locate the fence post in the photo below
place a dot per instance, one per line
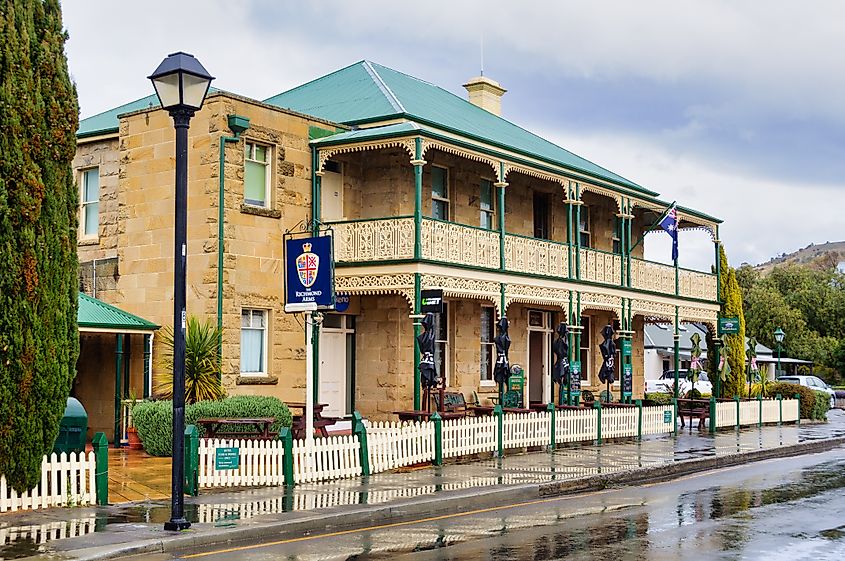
(712, 414)
(736, 399)
(798, 397)
(760, 409)
(438, 438)
(287, 455)
(500, 429)
(553, 440)
(675, 416)
(639, 404)
(780, 409)
(360, 430)
(192, 460)
(597, 407)
(101, 473)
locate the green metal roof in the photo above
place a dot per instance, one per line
(97, 314)
(368, 92)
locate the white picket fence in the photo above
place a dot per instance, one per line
(575, 425)
(469, 435)
(260, 463)
(725, 414)
(771, 411)
(790, 410)
(619, 422)
(393, 445)
(658, 419)
(749, 413)
(66, 480)
(322, 459)
(521, 430)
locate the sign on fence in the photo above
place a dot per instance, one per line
(667, 417)
(227, 458)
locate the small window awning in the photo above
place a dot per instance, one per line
(95, 316)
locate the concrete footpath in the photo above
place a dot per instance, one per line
(275, 513)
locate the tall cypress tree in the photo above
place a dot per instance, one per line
(39, 342)
(731, 296)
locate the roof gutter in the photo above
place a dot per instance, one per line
(237, 125)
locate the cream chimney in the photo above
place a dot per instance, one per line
(485, 93)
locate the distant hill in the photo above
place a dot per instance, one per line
(822, 256)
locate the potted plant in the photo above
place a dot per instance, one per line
(131, 432)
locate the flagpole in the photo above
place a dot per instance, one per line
(650, 228)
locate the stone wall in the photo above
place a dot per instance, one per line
(104, 155)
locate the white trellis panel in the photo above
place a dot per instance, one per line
(66, 480)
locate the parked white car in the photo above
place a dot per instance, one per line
(666, 383)
(813, 383)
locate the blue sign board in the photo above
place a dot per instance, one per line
(341, 302)
(309, 272)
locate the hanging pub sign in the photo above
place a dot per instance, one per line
(575, 378)
(728, 326)
(309, 274)
(431, 301)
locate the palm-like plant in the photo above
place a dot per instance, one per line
(202, 363)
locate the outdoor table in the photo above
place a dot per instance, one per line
(261, 426)
(320, 423)
(481, 410)
(516, 410)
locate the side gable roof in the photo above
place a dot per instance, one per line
(367, 92)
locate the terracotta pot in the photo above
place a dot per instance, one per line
(134, 439)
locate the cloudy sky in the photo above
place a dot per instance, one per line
(731, 107)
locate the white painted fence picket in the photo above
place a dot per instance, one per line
(619, 422)
(260, 463)
(725, 414)
(392, 445)
(654, 419)
(522, 430)
(576, 425)
(333, 457)
(66, 480)
(469, 435)
(790, 410)
(771, 411)
(749, 413)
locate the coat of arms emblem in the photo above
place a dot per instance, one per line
(307, 266)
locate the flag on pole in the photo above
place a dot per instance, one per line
(670, 223)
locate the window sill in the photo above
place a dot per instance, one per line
(257, 380)
(260, 211)
(88, 241)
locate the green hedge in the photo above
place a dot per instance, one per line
(658, 398)
(810, 408)
(154, 419)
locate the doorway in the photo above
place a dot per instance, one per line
(337, 364)
(539, 351)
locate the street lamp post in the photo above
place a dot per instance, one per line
(779, 335)
(181, 83)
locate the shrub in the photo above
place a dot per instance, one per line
(787, 390)
(693, 394)
(154, 419)
(658, 398)
(821, 406)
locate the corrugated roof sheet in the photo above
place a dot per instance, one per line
(366, 91)
(97, 314)
(107, 121)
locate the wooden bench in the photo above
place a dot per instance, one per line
(693, 409)
(298, 428)
(261, 427)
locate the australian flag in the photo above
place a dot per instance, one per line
(670, 224)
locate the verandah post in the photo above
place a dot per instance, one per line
(287, 456)
(712, 414)
(500, 429)
(101, 467)
(192, 460)
(639, 404)
(360, 431)
(438, 438)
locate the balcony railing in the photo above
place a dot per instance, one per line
(539, 257)
(462, 245)
(599, 266)
(392, 239)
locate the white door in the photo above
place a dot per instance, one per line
(331, 195)
(538, 373)
(334, 365)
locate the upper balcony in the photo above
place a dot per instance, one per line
(382, 240)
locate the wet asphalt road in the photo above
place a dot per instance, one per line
(785, 509)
